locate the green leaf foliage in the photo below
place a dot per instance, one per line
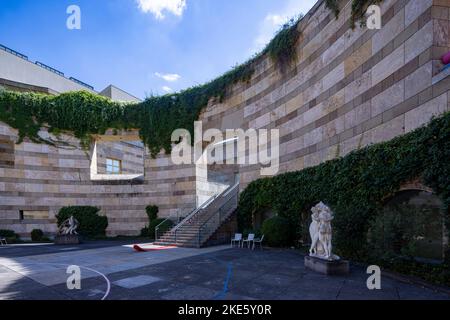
(359, 8)
(84, 114)
(278, 231)
(356, 186)
(91, 223)
(152, 212)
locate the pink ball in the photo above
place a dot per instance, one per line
(446, 58)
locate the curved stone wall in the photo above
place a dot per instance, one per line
(349, 88)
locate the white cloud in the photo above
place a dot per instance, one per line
(159, 7)
(169, 77)
(167, 89)
(273, 21)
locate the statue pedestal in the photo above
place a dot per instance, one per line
(66, 239)
(328, 267)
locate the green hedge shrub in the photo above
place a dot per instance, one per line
(91, 223)
(356, 186)
(9, 235)
(37, 235)
(277, 231)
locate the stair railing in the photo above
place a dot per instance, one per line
(191, 216)
(175, 218)
(231, 197)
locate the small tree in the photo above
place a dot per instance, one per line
(152, 212)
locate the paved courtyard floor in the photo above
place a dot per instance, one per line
(112, 270)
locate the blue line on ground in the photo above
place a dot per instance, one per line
(224, 291)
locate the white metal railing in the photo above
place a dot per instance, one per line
(226, 202)
(230, 203)
(175, 218)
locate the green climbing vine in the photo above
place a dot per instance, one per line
(85, 114)
(359, 8)
(283, 48)
(356, 187)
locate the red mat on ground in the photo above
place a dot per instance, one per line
(139, 248)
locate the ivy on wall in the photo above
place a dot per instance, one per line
(359, 8)
(85, 114)
(356, 187)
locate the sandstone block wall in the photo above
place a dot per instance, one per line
(42, 179)
(131, 156)
(348, 88)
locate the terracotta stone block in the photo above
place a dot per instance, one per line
(294, 103)
(361, 55)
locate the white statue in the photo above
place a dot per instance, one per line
(321, 232)
(69, 226)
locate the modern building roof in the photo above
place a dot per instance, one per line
(18, 72)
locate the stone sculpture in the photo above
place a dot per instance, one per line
(321, 233)
(69, 226)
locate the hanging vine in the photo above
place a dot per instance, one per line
(85, 114)
(359, 8)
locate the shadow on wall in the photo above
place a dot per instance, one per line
(410, 225)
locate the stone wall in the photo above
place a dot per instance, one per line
(42, 179)
(348, 88)
(131, 156)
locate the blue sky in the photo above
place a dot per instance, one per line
(144, 46)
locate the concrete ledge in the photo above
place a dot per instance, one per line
(336, 267)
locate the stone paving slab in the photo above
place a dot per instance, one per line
(192, 274)
(136, 282)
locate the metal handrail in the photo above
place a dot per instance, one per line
(222, 195)
(169, 218)
(193, 213)
(159, 225)
(218, 213)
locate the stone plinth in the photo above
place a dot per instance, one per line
(334, 267)
(67, 239)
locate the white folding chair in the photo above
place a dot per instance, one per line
(255, 241)
(3, 241)
(249, 240)
(237, 238)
